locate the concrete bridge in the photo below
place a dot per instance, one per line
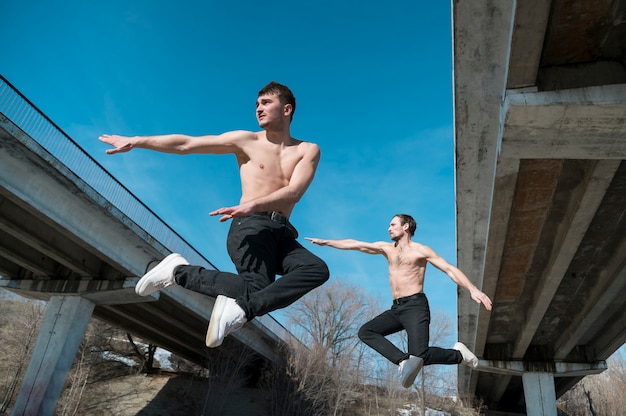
(72, 235)
(540, 131)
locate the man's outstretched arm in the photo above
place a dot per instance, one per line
(458, 277)
(350, 244)
(182, 144)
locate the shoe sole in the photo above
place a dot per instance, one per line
(413, 375)
(213, 338)
(140, 287)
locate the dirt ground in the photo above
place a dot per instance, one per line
(155, 395)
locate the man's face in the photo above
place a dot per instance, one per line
(270, 112)
(396, 229)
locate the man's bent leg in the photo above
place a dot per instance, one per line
(210, 282)
(373, 334)
(226, 317)
(225, 287)
(303, 272)
(415, 317)
(444, 356)
(252, 248)
(409, 369)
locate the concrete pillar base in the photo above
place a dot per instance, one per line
(63, 328)
(539, 394)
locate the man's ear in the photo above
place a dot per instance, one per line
(287, 110)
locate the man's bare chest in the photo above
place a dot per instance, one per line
(405, 258)
(271, 160)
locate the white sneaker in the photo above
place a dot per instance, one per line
(469, 359)
(161, 276)
(409, 369)
(226, 317)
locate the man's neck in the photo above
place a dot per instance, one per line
(278, 136)
(403, 242)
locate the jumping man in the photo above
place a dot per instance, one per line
(410, 310)
(275, 171)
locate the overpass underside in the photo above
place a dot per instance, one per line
(540, 130)
(63, 241)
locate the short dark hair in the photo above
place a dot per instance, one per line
(407, 219)
(283, 93)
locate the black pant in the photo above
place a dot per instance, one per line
(413, 315)
(261, 246)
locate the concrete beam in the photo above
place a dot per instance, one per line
(482, 43)
(566, 243)
(62, 330)
(20, 226)
(583, 123)
(531, 19)
(611, 338)
(557, 368)
(15, 253)
(610, 288)
(506, 179)
(100, 292)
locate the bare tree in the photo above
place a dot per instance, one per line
(298, 383)
(227, 373)
(601, 394)
(70, 400)
(145, 356)
(326, 321)
(18, 334)
(329, 317)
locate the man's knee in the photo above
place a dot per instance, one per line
(324, 271)
(364, 332)
(321, 271)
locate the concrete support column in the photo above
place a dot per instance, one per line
(539, 394)
(62, 330)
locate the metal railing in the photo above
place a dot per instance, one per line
(25, 115)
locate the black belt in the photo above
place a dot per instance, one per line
(406, 299)
(274, 216)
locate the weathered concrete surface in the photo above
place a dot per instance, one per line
(540, 131)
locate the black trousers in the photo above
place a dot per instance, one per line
(411, 314)
(261, 246)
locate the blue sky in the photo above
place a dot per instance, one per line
(373, 87)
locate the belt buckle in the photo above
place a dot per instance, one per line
(277, 216)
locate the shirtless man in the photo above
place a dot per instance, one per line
(410, 311)
(275, 170)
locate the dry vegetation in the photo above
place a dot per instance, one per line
(600, 394)
(335, 374)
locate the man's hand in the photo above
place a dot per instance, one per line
(120, 143)
(317, 241)
(480, 297)
(228, 213)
